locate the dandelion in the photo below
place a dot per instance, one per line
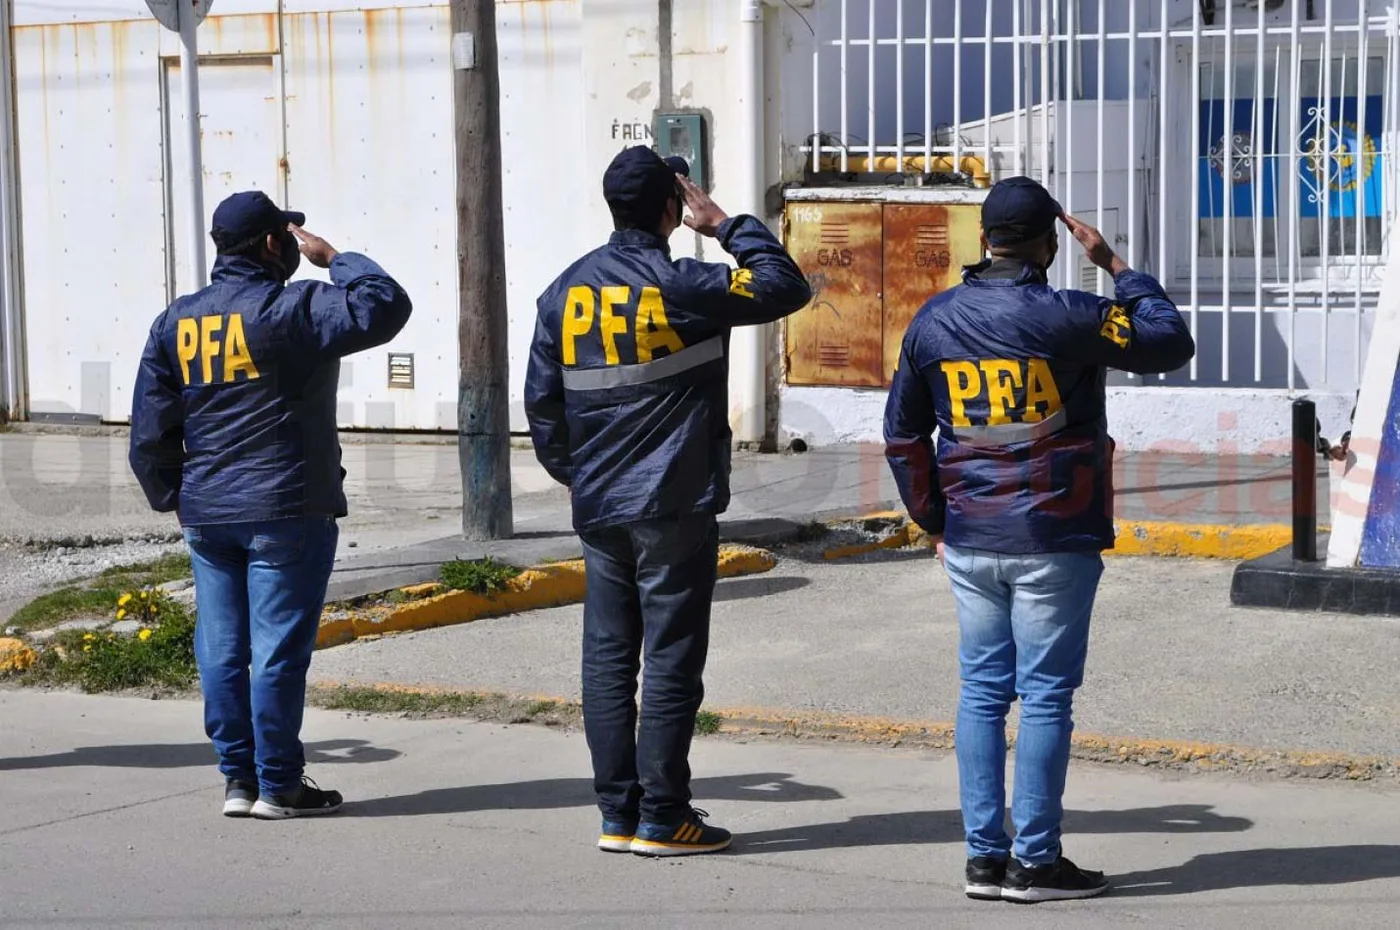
(89, 637)
(87, 648)
(145, 595)
(124, 600)
(144, 635)
(121, 614)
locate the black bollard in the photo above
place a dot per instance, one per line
(1304, 480)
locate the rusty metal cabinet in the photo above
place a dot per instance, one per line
(871, 266)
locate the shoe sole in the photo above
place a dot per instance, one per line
(1037, 895)
(654, 849)
(615, 844)
(264, 811)
(986, 892)
(238, 807)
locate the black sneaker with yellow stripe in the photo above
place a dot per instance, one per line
(689, 837)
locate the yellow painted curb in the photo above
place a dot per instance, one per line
(533, 589)
(1134, 538)
(1199, 540)
(15, 656)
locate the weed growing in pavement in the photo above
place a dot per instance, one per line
(707, 723)
(95, 598)
(482, 576)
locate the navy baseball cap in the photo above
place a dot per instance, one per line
(1018, 210)
(245, 216)
(639, 180)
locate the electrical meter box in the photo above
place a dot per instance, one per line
(683, 134)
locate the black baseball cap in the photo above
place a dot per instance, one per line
(1017, 210)
(245, 216)
(639, 181)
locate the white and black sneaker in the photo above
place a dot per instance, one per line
(984, 878)
(239, 798)
(306, 801)
(1061, 880)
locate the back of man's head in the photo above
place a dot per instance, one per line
(1018, 221)
(640, 185)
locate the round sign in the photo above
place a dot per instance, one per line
(167, 12)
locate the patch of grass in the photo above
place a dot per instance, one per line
(160, 655)
(540, 707)
(482, 576)
(707, 723)
(415, 703)
(172, 567)
(98, 597)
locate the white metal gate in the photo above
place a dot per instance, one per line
(1247, 148)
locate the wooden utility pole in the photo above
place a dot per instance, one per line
(483, 417)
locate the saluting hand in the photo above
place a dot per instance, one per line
(705, 215)
(1095, 246)
(318, 251)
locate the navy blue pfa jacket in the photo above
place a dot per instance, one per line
(233, 418)
(1011, 374)
(627, 386)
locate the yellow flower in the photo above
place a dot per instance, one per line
(89, 637)
(144, 635)
(145, 594)
(124, 600)
(87, 648)
(121, 614)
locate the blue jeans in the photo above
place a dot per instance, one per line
(1024, 630)
(259, 589)
(650, 586)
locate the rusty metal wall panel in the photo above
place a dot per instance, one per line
(926, 246)
(836, 340)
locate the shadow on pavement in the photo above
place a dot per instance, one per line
(189, 755)
(557, 793)
(1254, 868)
(758, 586)
(932, 827)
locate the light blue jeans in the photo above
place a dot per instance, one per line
(259, 588)
(1024, 631)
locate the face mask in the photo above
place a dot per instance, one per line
(291, 256)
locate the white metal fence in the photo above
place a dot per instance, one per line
(1244, 151)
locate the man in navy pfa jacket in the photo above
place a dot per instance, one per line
(1018, 496)
(233, 425)
(627, 399)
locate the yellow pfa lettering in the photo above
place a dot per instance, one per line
(992, 389)
(964, 384)
(578, 320)
(652, 328)
(1117, 326)
(209, 327)
(186, 344)
(236, 356)
(1040, 389)
(610, 325)
(1003, 379)
(740, 280)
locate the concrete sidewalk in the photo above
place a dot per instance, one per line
(876, 637)
(111, 820)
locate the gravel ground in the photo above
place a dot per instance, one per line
(27, 572)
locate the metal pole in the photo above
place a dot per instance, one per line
(483, 417)
(189, 79)
(1304, 480)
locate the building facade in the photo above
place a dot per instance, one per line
(1242, 150)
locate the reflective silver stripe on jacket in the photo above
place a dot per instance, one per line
(615, 376)
(1008, 433)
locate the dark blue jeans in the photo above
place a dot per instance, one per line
(649, 590)
(259, 589)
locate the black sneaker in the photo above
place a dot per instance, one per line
(984, 878)
(239, 798)
(1061, 880)
(688, 838)
(306, 801)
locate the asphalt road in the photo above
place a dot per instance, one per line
(111, 820)
(1168, 657)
